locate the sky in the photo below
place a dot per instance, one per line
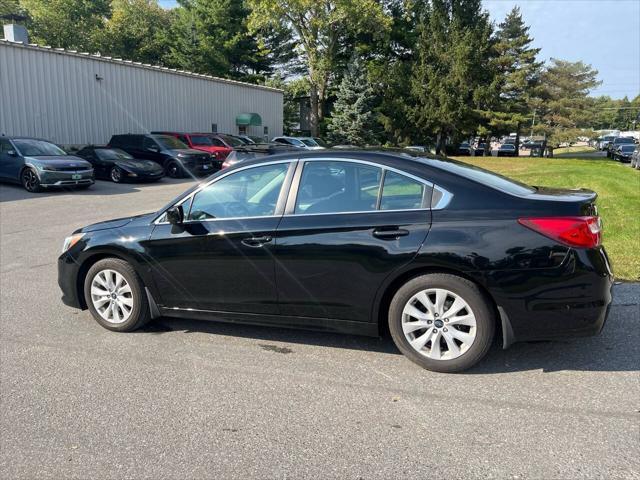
(603, 33)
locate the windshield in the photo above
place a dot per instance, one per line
(170, 143)
(623, 140)
(201, 140)
(480, 175)
(37, 148)
(112, 154)
(507, 146)
(234, 142)
(294, 141)
(309, 142)
(628, 148)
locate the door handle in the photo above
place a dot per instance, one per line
(390, 233)
(256, 241)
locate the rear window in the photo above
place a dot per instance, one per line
(201, 140)
(480, 175)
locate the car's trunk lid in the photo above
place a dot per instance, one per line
(571, 201)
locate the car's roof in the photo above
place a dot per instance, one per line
(23, 137)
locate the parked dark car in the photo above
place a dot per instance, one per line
(616, 142)
(507, 150)
(258, 150)
(118, 166)
(479, 150)
(204, 142)
(464, 149)
(444, 253)
(175, 157)
(624, 152)
(37, 164)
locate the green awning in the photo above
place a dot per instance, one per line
(249, 119)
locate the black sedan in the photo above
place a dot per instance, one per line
(118, 166)
(447, 255)
(507, 150)
(624, 152)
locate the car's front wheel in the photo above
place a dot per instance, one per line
(115, 295)
(30, 180)
(174, 169)
(442, 322)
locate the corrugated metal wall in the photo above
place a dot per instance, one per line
(55, 95)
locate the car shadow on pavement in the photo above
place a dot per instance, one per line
(617, 348)
(12, 192)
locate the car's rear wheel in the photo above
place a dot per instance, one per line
(116, 175)
(442, 322)
(30, 180)
(115, 295)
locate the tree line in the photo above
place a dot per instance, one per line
(374, 71)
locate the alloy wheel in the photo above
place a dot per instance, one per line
(111, 296)
(172, 170)
(116, 175)
(30, 180)
(439, 324)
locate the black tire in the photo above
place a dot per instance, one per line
(116, 175)
(471, 294)
(140, 313)
(174, 170)
(30, 181)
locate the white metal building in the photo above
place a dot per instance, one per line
(77, 98)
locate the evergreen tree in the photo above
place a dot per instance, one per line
(564, 103)
(352, 120)
(212, 36)
(450, 74)
(518, 73)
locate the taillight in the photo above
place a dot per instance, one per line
(581, 232)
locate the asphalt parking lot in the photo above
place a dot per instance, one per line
(189, 399)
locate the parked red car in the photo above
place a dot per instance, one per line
(202, 141)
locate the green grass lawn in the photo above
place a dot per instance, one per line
(618, 188)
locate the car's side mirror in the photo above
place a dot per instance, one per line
(12, 153)
(175, 215)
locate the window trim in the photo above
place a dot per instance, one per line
(289, 210)
(284, 192)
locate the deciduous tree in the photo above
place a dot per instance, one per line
(318, 27)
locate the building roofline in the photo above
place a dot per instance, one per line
(131, 63)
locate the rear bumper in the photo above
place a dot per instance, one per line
(571, 300)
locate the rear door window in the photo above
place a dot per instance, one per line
(400, 192)
(337, 187)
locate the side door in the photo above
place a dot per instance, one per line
(10, 161)
(347, 226)
(149, 149)
(221, 257)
